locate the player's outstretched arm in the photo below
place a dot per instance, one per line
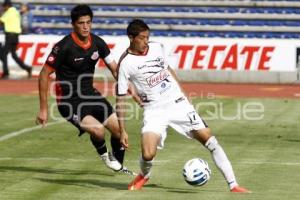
(43, 82)
(112, 66)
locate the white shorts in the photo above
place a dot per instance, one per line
(181, 116)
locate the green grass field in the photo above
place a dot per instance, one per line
(53, 163)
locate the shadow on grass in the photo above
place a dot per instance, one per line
(118, 186)
(85, 183)
(290, 140)
(172, 189)
(88, 182)
(114, 185)
(52, 171)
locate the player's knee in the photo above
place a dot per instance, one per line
(113, 126)
(148, 155)
(14, 56)
(212, 143)
(202, 135)
(115, 132)
(97, 132)
(206, 132)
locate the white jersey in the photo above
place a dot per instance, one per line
(150, 75)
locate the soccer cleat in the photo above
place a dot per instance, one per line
(5, 76)
(127, 171)
(239, 189)
(137, 182)
(29, 71)
(111, 162)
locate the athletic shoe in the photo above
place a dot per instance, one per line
(111, 162)
(239, 189)
(127, 171)
(5, 76)
(137, 182)
(29, 71)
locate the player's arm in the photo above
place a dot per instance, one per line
(134, 94)
(112, 66)
(173, 73)
(2, 19)
(120, 107)
(43, 83)
(122, 88)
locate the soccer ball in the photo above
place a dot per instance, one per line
(196, 172)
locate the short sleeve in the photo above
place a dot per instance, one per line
(104, 50)
(163, 52)
(54, 59)
(109, 58)
(123, 81)
(4, 18)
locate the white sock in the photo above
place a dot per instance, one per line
(221, 161)
(146, 167)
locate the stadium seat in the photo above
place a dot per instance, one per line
(165, 19)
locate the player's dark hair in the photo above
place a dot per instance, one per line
(79, 11)
(136, 26)
(7, 3)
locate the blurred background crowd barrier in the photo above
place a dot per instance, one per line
(211, 41)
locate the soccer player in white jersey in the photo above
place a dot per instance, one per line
(164, 103)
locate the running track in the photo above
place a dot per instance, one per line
(29, 87)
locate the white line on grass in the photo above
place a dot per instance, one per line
(297, 94)
(136, 161)
(25, 130)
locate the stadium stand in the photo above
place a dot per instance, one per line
(184, 18)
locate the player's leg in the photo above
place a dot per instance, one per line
(104, 113)
(154, 133)
(6, 49)
(97, 135)
(111, 123)
(79, 113)
(219, 156)
(14, 55)
(210, 142)
(149, 143)
(189, 123)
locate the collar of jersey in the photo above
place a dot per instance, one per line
(79, 42)
(143, 54)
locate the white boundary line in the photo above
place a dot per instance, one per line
(297, 94)
(25, 130)
(136, 161)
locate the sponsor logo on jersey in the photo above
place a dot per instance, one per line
(78, 59)
(95, 55)
(75, 118)
(163, 90)
(56, 49)
(142, 66)
(157, 78)
(158, 62)
(51, 59)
